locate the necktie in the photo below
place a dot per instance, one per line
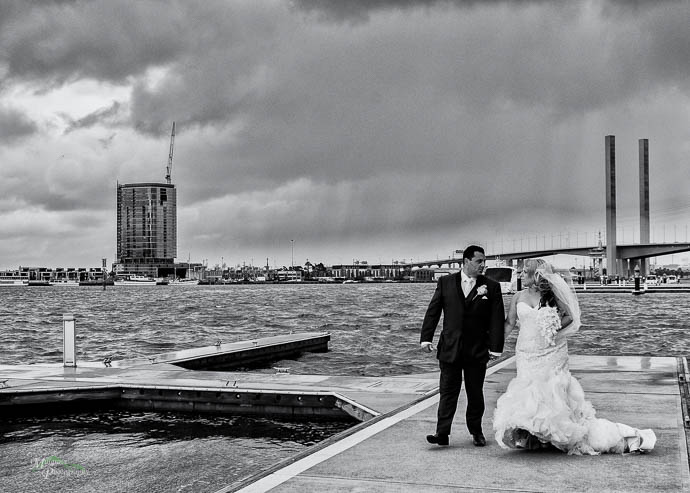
(467, 285)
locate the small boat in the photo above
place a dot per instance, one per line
(13, 278)
(13, 282)
(64, 282)
(506, 276)
(184, 282)
(96, 282)
(38, 283)
(136, 281)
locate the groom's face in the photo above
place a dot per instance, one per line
(476, 265)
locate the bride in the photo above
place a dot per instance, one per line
(544, 405)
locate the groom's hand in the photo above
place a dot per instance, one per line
(427, 346)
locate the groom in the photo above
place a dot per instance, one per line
(473, 316)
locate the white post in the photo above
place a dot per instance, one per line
(69, 346)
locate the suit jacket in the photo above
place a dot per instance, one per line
(472, 326)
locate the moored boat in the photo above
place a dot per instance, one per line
(13, 278)
(184, 282)
(13, 282)
(136, 281)
(96, 282)
(505, 276)
(64, 282)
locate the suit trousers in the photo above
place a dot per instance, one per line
(449, 390)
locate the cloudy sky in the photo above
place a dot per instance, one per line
(339, 130)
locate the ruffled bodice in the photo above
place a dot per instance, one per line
(544, 404)
(533, 352)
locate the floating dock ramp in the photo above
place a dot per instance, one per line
(166, 382)
(227, 356)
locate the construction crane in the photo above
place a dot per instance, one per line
(168, 170)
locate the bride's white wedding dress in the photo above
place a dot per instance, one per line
(545, 405)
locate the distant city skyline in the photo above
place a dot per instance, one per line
(560, 261)
(338, 130)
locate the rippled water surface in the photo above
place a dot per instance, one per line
(153, 452)
(374, 328)
(374, 332)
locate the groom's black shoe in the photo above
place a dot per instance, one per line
(479, 440)
(437, 439)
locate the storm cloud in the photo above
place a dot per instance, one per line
(384, 129)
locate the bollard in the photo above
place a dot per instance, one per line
(69, 355)
(638, 282)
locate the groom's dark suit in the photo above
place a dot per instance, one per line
(472, 326)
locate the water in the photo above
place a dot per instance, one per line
(139, 451)
(374, 332)
(374, 327)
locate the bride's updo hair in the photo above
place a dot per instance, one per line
(534, 268)
(554, 291)
(547, 296)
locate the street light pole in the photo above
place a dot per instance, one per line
(292, 245)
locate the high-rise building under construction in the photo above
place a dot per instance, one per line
(146, 228)
(147, 225)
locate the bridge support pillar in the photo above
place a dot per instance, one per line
(621, 267)
(643, 152)
(612, 267)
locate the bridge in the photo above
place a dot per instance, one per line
(631, 252)
(620, 259)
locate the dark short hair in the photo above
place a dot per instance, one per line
(469, 252)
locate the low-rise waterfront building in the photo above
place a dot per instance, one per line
(363, 270)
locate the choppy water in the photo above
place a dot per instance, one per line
(374, 331)
(152, 452)
(374, 327)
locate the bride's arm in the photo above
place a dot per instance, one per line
(511, 320)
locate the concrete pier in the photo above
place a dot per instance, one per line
(390, 453)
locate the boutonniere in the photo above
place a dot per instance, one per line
(481, 291)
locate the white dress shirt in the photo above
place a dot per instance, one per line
(467, 283)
